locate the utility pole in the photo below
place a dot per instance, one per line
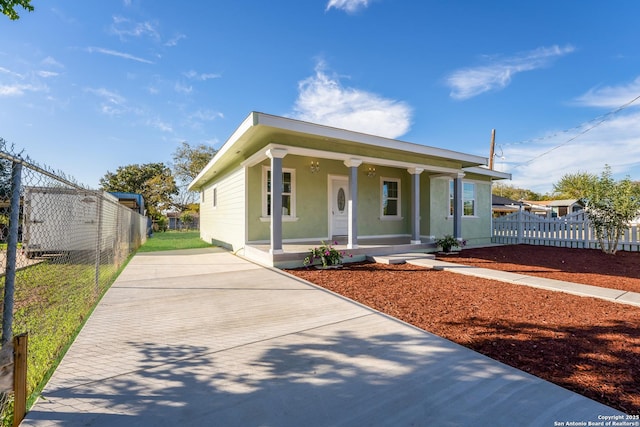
(492, 149)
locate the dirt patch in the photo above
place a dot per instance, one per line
(584, 344)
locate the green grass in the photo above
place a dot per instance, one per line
(172, 240)
(53, 299)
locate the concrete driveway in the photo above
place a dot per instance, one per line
(204, 338)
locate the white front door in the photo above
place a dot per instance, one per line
(339, 206)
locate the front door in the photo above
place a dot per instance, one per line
(339, 206)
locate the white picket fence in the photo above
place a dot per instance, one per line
(571, 231)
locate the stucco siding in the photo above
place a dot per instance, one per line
(371, 222)
(312, 211)
(223, 223)
(476, 229)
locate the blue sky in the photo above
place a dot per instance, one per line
(88, 86)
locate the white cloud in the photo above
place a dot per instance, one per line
(17, 89)
(160, 125)
(611, 96)
(112, 104)
(350, 6)
(537, 165)
(51, 62)
(181, 88)
(46, 74)
(11, 73)
(322, 99)
(206, 115)
(118, 54)
(193, 75)
(469, 82)
(125, 28)
(174, 40)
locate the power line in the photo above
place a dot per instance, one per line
(601, 119)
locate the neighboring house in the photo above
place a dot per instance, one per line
(330, 183)
(501, 206)
(557, 208)
(176, 223)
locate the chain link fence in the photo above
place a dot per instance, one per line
(61, 246)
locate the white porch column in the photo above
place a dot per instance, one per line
(276, 155)
(352, 239)
(415, 204)
(457, 205)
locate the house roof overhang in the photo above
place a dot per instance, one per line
(493, 174)
(248, 144)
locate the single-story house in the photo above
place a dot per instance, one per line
(501, 206)
(367, 192)
(176, 221)
(562, 207)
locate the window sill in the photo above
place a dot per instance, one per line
(284, 218)
(391, 218)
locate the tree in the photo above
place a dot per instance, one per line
(188, 161)
(611, 206)
(8, 7)
(514, 193)
(153, 180)
(574, 185)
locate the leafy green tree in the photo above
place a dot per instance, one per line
(153, 180)
(514, 193)
(8, 7)
(611, 206)
(188, 161)
(574, 185)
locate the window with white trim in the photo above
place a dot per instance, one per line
(390, 196)
(215, 197)
(468, 198)
(288, 192)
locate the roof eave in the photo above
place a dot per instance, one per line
(488, 172)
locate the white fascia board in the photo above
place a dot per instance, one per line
(488, 172)
(378, 141)
(235, 136)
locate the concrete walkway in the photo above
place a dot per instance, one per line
(204, 338)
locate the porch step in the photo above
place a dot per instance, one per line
(399, 258)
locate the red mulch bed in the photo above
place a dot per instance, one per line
(587, 345)
(587, 266)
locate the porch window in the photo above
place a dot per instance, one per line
(468, 198)
(390, 189)
(288, 193)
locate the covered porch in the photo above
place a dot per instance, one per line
(293, 253)
(404, 227)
